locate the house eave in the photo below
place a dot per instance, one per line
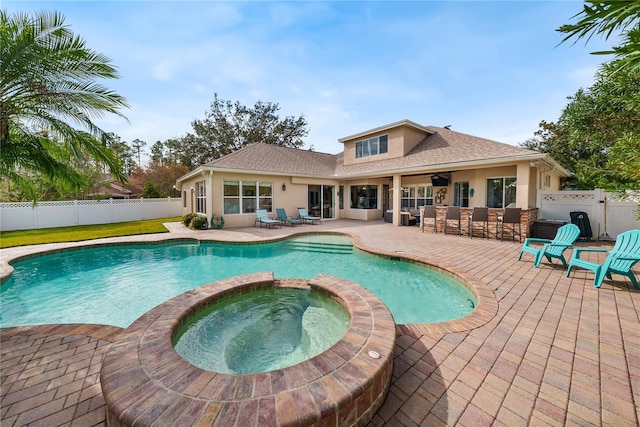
(418, 169)
(197, 171)
(450, 166)
(203, 169)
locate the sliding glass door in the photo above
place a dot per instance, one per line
(321, 200)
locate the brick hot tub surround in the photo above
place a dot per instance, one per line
(144, 380)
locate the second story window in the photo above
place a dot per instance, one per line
(372, 146)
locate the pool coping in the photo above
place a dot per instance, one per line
(144, 380)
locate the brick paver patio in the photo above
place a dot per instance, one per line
(557, 352)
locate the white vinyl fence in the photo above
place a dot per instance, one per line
(608, 215)
(24, 216)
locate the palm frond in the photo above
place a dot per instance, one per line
(49, 82)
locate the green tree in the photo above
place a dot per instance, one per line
(164, 176)
(51, 189)
(137, 145)
(47, 83)
(598, 133)
(123, 152)
(229, 126)
(151, 190)
(607, 18)
(157, 152)
(171, 145)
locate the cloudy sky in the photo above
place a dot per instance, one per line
(493, 69)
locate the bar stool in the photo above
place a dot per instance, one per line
(512, 217)
(453, 214)
(428, 212)
(480, 215)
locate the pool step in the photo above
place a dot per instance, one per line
(330, 248)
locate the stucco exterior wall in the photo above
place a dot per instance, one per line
(401, 140)
(412, 137)
(291, 199)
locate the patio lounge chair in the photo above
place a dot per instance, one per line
(303, 214)
(262, 217)
(624, 255)
(564, 239)
(284, 219)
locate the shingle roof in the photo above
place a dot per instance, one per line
(278, 159)
(442, 148)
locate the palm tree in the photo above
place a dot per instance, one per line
(47, 85)
(610, 18)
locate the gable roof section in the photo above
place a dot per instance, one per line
(269, 158)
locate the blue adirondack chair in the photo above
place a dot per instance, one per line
(564, 239)
(262, 217)
(624, 255)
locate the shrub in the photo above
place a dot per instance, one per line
(199, 222)
(186, 220)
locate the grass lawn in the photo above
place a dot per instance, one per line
(76, 233)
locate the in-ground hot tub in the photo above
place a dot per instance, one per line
(262, 330)
(145, 381)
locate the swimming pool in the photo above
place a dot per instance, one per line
(114, 285)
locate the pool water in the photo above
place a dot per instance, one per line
(261, 331)
(114, 285)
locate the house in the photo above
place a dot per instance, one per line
(396, 167)
(114, 189)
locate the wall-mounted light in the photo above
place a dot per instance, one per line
(284, 187)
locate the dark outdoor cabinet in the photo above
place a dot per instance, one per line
(547, 228)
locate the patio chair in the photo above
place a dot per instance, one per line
(452, 214)
(624, 255)
(428, 212)
(303, 214)
(564, 239)
(284, 219)
(480, 215)
(406, 218)
(262, 217)
(511, 217)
